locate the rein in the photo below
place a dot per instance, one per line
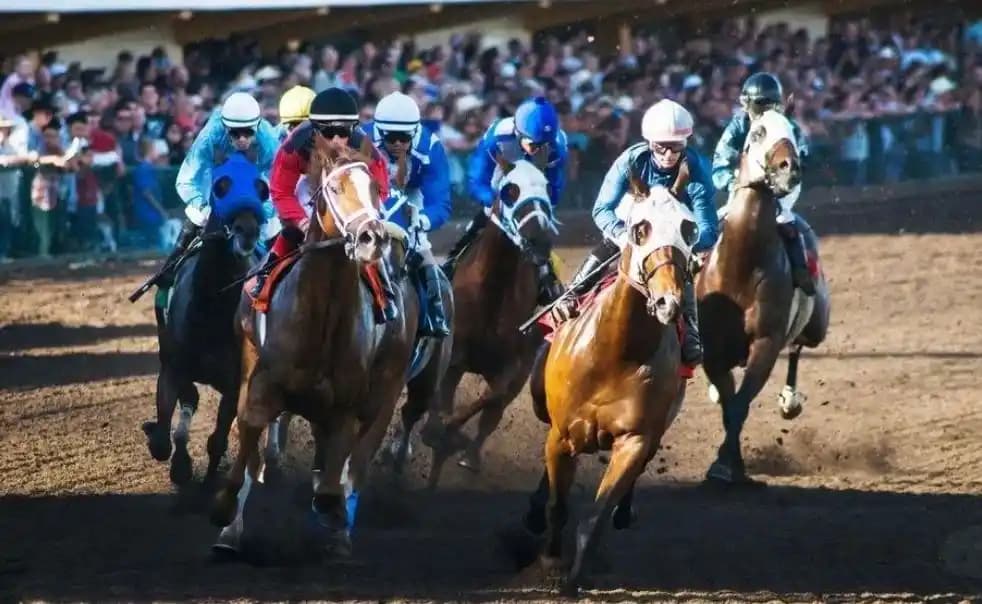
(303, 249)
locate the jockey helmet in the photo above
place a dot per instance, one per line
(536, 119)
(240, 110)
(295, 104)
(397, 112)
(761, 91)
(333, 105)
(666, 122)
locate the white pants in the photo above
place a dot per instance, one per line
(785, 205)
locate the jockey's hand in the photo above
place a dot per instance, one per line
(564, 310)
(304, 225)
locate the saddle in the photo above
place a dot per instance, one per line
(588, 299)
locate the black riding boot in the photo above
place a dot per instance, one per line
(585, 278)
(435, 318)
(473, 229)
(691, 341)
(189, 231)
(390, 312)
(794, 243)
(550, 287)
(263, 273)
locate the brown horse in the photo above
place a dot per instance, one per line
(613, 378)
(748, 307)
(323, 356)
(496, 286)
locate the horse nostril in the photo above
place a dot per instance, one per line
(366, 238)
(661, 303)
(785, 165)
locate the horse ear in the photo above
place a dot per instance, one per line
(682, 179)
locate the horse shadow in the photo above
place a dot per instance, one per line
(51, 335)
(781, 540)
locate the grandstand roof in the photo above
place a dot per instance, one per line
(80, 6)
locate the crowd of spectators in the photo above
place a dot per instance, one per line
(881, 99)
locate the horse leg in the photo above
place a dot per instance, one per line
(435, 433)
(790, 400)
(728, 467)
(158, 432)
(329, 507)
(419, 396)
(502, 390)
(277, 434)
(626, 464)
(231, 501)
(218, 440)
(180, 463)
(561, 470)
(537, 383)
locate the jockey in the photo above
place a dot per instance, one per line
(762, 91)
(666, 127)
(419, 176)
(294, 109)
(334, 116)
(236, 127)
(532, 134)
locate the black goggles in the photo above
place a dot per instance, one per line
(397, 136)
(663, 148)
(335, 129)
(237, 133)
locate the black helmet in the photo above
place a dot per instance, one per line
(760, 92)
(333, 105)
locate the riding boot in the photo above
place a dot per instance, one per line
(473, 229)
(189, 231)
(794, 243)
(691, 341)
(263, 273)
(583, 281)
(550, 287)
(435, 319)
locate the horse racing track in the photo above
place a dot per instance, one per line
(873, 490)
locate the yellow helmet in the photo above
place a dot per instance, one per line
(295, 104)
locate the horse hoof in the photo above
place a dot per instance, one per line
(720, 474)
(159, 444)
(624, 518)
(790, 402)
(470, 461)
(181, 471)
(432, 434)
(271, 474)
(223, 510)
(227, 546)
(569, 589)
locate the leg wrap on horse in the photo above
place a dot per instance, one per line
(434, 317)
(376, 275)
(473, 229)
(189, 231)
(794, 243)
(691, 340)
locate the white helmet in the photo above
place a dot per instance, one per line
(665, 122)
(240, 110)
(397, 112)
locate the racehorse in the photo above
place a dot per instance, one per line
(495, 287)
(195, 318)
(613, 377)
(748, 307)
(318, 352)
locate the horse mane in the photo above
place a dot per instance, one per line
(326, 155)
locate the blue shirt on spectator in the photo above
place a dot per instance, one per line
(145, 181)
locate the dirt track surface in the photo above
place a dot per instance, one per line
(873, 490)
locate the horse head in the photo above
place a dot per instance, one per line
(770, 155)
(348, 203)
(660, 234)
(238, 193)
(523, 211)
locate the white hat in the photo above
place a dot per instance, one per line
(666, 121)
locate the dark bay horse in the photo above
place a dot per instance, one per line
(323, 356)
(195, 319)
(496, 287)
(748, 307)
(613, 377)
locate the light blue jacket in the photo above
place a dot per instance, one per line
(698, 194)
(212, 146)
(501, 141)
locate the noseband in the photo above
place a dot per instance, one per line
(350, 225)
(504, 219)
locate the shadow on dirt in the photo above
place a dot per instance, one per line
(780, 540)
(50, 335)
(37, 371)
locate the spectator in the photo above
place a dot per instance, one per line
(13, 152)
(148, 210)
(49, 189)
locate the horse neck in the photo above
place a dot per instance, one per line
(750, 226)
(626, 330)
(217, 266)
(501, 262)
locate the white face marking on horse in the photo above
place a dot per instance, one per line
(666, 221)
(362, 183)
(533, 193)
(766, 131)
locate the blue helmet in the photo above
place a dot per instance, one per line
(537, 120)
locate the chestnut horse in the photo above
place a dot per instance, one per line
(613, 377)
(496, 286)
(748, 307)
(323, 356)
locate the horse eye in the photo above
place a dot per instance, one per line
(639, 232)
(262, 189)
(690, 232)
(221, 187)
(509, 193)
